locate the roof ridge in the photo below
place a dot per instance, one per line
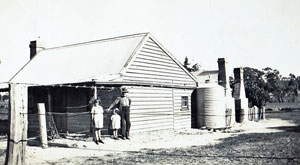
(100, 40)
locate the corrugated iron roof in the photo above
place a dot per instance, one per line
(100, 60)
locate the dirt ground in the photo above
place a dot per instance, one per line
(275, 140)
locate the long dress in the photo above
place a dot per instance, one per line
(97, 111)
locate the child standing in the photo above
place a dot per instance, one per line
(115, 123)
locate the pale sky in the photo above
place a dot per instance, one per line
(253, 33)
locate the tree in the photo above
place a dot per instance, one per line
(186, 64)
(292, 88)
(268, 85)
(298, 81)
(274, 84)
(195, 67)
(255, 87)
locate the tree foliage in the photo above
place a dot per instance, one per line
(282, 89)
(262, 86)
(186, 65)
(255, 87)
(274, 84)
(267, 85)
(292, 88)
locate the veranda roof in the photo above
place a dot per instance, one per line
(100, 60)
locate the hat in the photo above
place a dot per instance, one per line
(115, 110)
(124, 90)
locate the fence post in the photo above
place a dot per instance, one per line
(263, 111)
(42, 122)
(95, 93)
(17, 136)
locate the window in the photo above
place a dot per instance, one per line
(184, 103)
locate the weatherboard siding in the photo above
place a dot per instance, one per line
(152, 64)
(158, 108)
(182, 117)
(151, 108)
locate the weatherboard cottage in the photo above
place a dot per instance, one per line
(66, 78)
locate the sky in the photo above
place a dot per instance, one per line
(248, 33)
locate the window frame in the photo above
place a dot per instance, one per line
(184, 103)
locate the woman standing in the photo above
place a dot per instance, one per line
(97, 117)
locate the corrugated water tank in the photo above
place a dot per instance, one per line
(210, 110)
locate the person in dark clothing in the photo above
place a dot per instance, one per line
(123, 104)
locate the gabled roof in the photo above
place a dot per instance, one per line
(101, 60)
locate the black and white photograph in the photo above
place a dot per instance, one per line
(149, 82)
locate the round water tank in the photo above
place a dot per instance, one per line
(210, 107)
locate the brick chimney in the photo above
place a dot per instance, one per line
(239, 79)
(35, 48)
(222, 72)
(223, 76)
(241, 102)
(32, 47)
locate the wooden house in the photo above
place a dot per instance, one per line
(203, 76)
(64, 78)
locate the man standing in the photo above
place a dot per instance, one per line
(123, 103)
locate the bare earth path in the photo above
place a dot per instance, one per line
(272, 141)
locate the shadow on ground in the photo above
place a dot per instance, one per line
(37, 143)
(287, 128)
(240, 148)
(252, 148)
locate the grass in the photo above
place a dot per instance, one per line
(282, 106)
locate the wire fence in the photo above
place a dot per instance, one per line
(54, 132)
(48, 114)
(52, 128)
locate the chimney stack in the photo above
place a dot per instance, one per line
(241, 102)
(32, 47)
(223, 76)
(239, 79)
(222, 72)
(223, 80)
(35, 47)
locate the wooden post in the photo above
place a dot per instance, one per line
(17, 137)
(42, 122)
(95, 93)
(263, 111)
(50, 112)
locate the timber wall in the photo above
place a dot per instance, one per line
(151, 108)
(182, 117)
(153, 64)
(159, 108)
